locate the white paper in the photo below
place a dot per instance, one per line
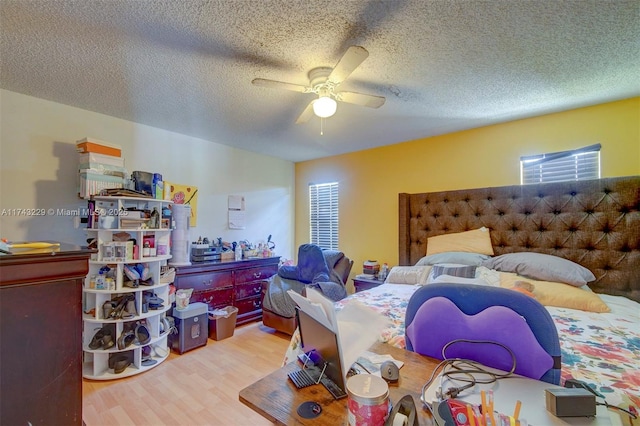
(236, 219)
(372, 362)
(236, 202)
(314, 310)
(356, 325)
(359, 328)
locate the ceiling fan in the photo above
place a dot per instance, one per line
(324, 82)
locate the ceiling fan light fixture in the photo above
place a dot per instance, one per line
(324, 106)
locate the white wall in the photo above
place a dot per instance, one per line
(38, 170)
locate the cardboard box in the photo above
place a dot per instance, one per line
(99, 147)
(107, 160)
(92, 183)
(103, 169)
(227, 255)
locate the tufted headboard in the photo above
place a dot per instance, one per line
(594, 223)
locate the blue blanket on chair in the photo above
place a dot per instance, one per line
(312, 270)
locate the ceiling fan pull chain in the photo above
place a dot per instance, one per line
(321, 123)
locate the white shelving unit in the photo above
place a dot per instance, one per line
(112, 223)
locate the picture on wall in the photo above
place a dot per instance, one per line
(184, 194)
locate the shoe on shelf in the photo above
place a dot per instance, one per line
(131, 308)
(119, 362)
(107, 309)
(146, 352)
(142, 334)
(148, 362)
(125, 339)
(96, 340)
(102, 339)
(107, 342)
(131, 283)
(147, 282)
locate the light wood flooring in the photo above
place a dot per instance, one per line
(199, 387)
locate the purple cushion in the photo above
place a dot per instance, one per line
(439, 321)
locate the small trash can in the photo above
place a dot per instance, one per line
(222, 322)
(192, 327)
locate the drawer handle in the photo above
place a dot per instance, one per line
(207, 283)
(257, 290)
(256, 304)
(257, 274)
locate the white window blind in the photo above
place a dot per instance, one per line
(323, 215)
(577, 164)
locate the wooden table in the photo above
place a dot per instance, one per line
(276, 398)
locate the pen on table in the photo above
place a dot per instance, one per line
(516, 411)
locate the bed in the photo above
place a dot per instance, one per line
(592, 224)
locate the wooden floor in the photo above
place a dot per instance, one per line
(199, 387)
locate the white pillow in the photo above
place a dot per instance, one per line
(491, 276)
(408, 275)
(457, 280)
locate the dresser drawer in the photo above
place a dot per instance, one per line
(249, 305)
(215, 299)
(249, 289)
(254, 274)
(207, 281)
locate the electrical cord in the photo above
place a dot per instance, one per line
(615, 407)
(463, 370)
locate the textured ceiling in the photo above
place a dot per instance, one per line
(187, 66)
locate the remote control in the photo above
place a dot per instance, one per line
(333, 389)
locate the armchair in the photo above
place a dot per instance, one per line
(327, 270)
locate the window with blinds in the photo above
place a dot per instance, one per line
(578, 164)
(323, 215)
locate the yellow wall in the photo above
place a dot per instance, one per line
(370, 180)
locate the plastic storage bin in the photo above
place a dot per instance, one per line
(221, 325)
(192, 327)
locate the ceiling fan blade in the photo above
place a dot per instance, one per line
(351, 59)
(279, 85)
(362, 99)
(306, 114)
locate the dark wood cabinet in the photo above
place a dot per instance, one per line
(41, 336)
(229, 283)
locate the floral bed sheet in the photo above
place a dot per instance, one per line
(602, 350)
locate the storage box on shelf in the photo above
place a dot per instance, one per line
(100, 167)
(99, 147)
(124, 296)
